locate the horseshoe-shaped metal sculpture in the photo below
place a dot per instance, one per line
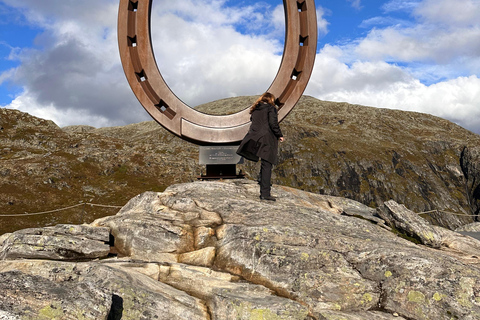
(160, 102)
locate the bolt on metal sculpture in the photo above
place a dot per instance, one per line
(160, 102)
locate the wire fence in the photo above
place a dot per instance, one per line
(447, 212)
(61, 209)
(118, 207)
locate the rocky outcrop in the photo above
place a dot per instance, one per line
(62, 242)
(410, 225)
(58, 290)
(472, 227)
(214, 250)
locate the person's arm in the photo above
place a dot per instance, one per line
(273, 123)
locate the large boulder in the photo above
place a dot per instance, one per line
(58, 290)
(410, 224)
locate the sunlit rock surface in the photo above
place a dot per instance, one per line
(214, 250)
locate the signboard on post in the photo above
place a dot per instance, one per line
(220, 161)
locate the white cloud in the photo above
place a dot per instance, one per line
(383, 21)
(6, 75)
(400, 5)
(74, 73)
(446, 30)
(207, 12)
(278, 19)
(322, 23)
(384, 85)
(356, 4)
(452, 13)
(62, 117)
(420, 43)
(44, 13)
(202, 62)
(331, 75)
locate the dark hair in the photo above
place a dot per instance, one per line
(267, 97)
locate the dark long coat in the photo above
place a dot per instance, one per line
(261, 140)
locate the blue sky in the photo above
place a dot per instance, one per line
(14, 34)
(59, 58)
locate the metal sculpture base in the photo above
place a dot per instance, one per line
(221, 162)
(222, 171)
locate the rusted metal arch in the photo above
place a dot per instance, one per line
(160, 102)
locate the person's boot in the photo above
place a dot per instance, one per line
(271, 198)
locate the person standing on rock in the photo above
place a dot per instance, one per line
(261, 141)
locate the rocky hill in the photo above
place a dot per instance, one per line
(367, 154)
(44, 167)
(212, 250)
